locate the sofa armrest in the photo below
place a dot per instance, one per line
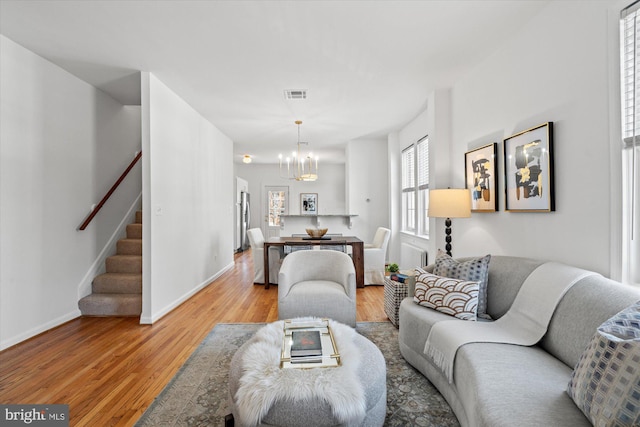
(411, 286)
(411, 280)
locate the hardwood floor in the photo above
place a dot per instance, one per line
(109, 370)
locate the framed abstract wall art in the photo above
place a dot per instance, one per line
(528, 170)
(309, 203)
(480, 171)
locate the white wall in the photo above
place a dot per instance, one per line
(555, 69)
(188, 200)
(367, 190)
(63, 143)
(395, 196)
(434, 122)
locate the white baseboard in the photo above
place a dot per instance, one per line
(148, 320)
(4, 344)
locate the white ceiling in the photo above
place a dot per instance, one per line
(368, 66)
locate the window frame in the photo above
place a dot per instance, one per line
(629, 143)
(415, 188)
(408, 180)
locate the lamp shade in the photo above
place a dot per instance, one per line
(450, 203)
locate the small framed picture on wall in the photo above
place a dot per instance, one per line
(309, 203)
(528, 170)
(480, 172)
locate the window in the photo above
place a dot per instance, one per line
(423, 184)
(630, 147)
(415, 192)
(408, 190)
(276, 206)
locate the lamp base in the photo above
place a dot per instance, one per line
(447, 232)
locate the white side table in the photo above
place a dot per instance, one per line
(394, 293)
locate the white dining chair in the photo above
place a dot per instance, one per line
(276, 253)
(375, 255)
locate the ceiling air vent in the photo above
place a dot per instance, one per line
(295, 94)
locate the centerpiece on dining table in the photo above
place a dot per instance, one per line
(317, 233)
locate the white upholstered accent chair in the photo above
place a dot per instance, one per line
(318, 283)
(256, 240)
(375, 255)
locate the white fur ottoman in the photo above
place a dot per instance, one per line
(263, 394)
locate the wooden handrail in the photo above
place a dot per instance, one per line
(110, 192)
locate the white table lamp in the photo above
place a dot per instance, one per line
(449, 203)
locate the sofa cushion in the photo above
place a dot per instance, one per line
(605, 384)
(474, 269)
(458, 298)
(504, 385)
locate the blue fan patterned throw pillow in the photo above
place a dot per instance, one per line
(474, 270)
(605, 384)
(458, 298)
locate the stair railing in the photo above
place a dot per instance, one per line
(95, 210)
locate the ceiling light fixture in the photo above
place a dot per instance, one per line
(246, 159)
(299, 168)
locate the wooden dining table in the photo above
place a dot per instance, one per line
(357, 251)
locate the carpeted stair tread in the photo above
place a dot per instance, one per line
(111, 305)
(124, 264)
(134, 231)
(129, 247)
(138, 217)
(117, 283)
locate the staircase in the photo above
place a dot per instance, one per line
(118, 292)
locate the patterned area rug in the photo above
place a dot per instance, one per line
(198, 394)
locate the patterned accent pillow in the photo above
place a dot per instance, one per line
(605, 384)
(458, 298)
(476, 270)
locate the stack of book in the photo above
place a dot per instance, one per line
(306, 347)
(308, 344)
(398, 277)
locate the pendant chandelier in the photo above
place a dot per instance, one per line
(298, 167)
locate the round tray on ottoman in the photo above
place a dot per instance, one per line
(264, 394)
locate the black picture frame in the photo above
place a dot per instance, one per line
(309, 203)
(481, 177)
(528, 170)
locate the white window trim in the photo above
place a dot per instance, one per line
(422, 202)
(420, 218)
(408, 188)
(621, 256)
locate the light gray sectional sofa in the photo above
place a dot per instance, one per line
(509, 385)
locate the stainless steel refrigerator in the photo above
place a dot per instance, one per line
(245, 220)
